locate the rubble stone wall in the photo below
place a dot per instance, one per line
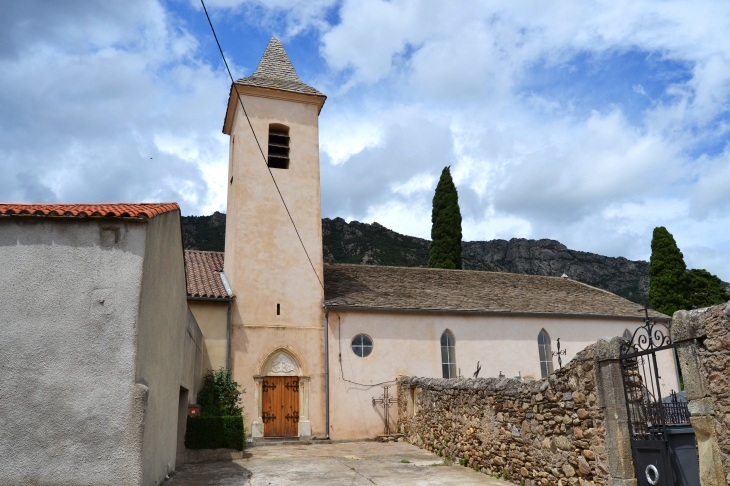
(702, 338)
(547, 432)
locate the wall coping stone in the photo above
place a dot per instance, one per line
(688, 325)
(608, 349)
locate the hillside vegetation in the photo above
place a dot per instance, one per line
(374, 244)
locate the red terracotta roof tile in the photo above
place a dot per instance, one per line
(112, 210)
(202, 271)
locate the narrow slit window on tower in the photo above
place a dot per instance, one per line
(278, 309)
(278, 147)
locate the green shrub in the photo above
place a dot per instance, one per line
(220, 395)
(215, 433)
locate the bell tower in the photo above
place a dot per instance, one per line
(278, 291)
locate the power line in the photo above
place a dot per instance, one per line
(240, 101)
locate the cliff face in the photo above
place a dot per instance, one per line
(374, 244)
(627, 278)
(207, 233)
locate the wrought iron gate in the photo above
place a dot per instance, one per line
(651, 420)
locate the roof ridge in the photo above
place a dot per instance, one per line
(457, 270)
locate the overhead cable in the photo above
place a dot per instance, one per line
(240, 101)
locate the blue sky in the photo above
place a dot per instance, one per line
(590, 123)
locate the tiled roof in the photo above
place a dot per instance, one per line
(370, 286)
(275, 71)
(202, 272)
(112, 210)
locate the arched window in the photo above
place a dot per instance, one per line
(448, 355)
(627, 334)
(546, 354)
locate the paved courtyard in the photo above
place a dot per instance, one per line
(353, 463)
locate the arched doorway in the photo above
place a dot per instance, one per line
(281, 396)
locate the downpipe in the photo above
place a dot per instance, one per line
(327, 372)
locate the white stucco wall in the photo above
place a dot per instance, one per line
(67, 322)
(97, 341)
(409, 344)
(162, 333)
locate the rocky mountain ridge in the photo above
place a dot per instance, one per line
(374, 244)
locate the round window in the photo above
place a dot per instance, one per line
(362, 345)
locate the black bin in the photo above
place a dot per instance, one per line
(683, 455)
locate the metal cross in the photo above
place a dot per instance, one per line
(559, 353)
(385, 401)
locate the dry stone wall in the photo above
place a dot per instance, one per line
(702, 337)
(715, 367)
(546, 432)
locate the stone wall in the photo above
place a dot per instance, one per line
(702, 338)
(546, 432)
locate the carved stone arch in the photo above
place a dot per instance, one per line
(281, 363)
(281, 360)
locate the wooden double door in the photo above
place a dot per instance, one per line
(280, 406)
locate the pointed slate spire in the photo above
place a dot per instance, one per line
(275, 63)
(275, 71)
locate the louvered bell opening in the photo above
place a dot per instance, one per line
(278, 149)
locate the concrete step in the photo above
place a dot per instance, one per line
(279, 441)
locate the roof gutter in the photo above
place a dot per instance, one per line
(488, 313)
(212, 299)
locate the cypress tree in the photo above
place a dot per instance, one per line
(668, 277)
(705, 289)
(445, 225)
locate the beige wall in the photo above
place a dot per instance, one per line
(212, 317)
(265, 263)
(409, 344)
(253, 345)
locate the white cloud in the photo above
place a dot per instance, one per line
(294, 17)
(117, 117)
(639, 89)
(526, 162)
(106, 101)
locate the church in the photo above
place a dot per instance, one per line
(109, 325)
(315, 344)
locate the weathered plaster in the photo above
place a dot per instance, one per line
(95, 313)
(265, 263)
(71, 412)
(212, 317)
(162, 322)
(255, 348)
